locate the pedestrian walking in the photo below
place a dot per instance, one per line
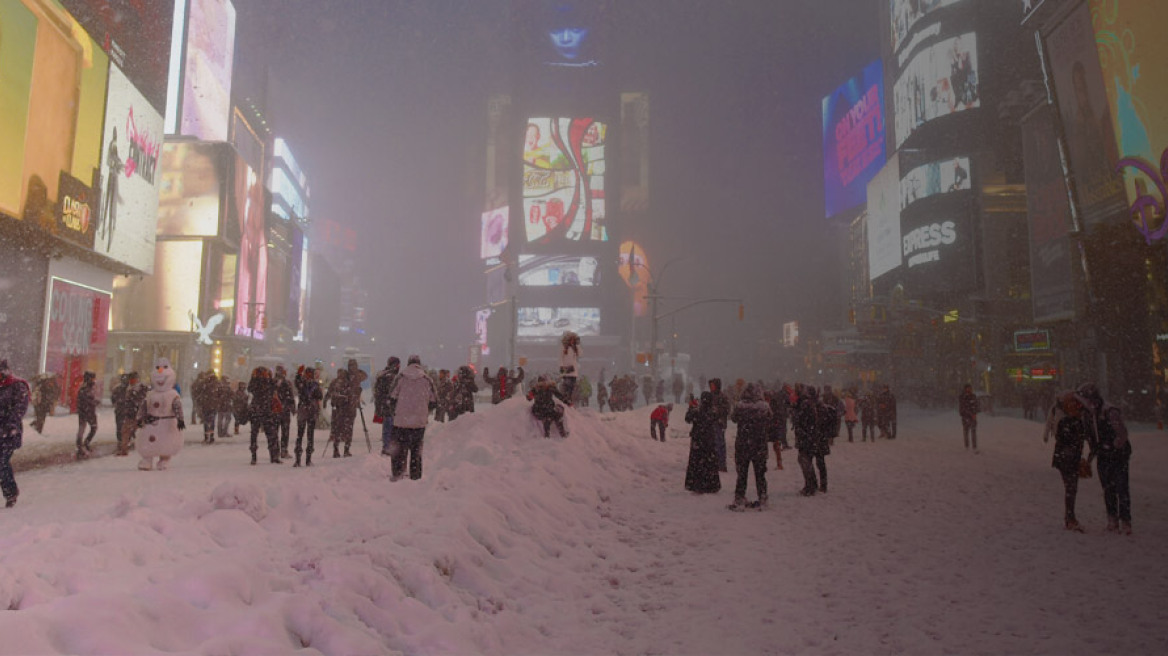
(752, 414)
(967, 407)
(14, 399)
(86, 413)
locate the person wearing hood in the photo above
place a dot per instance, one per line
(701, 474)
(543, 396)
(1113, 455)
(383, 405)
(86, 413)
(415, 396)
(752, 415)
(445, 389)
(14, 399)
(805, 421)
(1068, 422)
(722, 414)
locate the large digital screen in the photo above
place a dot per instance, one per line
(210, 54)
(17, 48)
(77, 334)
(935, 178)
(252, 273)
(481, 320)
(884, 248)
(633, 267)
(564, 33)
(1048, 209)
(169, 299)
(127, 216)
(191, 199)
(563, 180)
(940, 80)
(907, 13)
(558, 270)
(634, 158)
(495, 225)
(553, 322)
(853, 139)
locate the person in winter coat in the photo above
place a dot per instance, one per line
(806, 423)
(543, 396)
(1068, 422)
(659, 421)
(223, 396)
(45, 391)
(647, 389)
(240, 402)
(777, 426)
(967, 407)
(868, 417)
(117, 395)
(701, 474)
(1113, 455)
(415, 395)
(678, 387)
(752, 415)
(14, 399)
(569, 364)
(307, 412)
(850, 416)
(285, 407)
(204, 402)
(383, 406)
(464, 392)
(130, 402)
(886, 413)
(833, 402)
(659, 392)
(445, 389)
(722, 413)
(86, 413)
(340, 396)
(503, 383)
(261, 413)
(601, 395)
(584, 391)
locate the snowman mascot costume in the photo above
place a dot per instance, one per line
(161, 419)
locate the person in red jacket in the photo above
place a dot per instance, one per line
(659, 420)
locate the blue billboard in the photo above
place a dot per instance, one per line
(853, 139)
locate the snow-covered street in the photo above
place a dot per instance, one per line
(513, 544)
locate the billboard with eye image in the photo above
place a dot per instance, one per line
(494, 236)
(563, 180)
(558, 270)
(535, 322)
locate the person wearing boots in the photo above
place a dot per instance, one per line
(752, 414)
(285, 406)
(445, 388)
(45, 392)
(543, 396)
(261, 413)
(1067, 422)
(343, 399)
(203, 399)
(1113, 457)
(14, 400)
(806, 424)
(307, 411)
(86, 413)
(967, 407)
(415, 396)
(659, 421)
(223, 402)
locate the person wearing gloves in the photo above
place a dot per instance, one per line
(415, 395)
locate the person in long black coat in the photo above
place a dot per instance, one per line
(1068, 422)
(701, 475)
(261, 413)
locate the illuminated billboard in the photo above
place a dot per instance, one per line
(935, 178)
(496, 223)
(206, 71)
(633, 267)
(191, 199)
(853, 139)
(907, 13)
(481, 318)
(563, 180)
(884, 248)
(553, 322)
(167, 300)
(940, 80)
(252, 272)
(634, 152)
(130, 182)
(562, 33)
(77, 334)
(558, 270)
(17, 48)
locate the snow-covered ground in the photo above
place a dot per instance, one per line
(513, 544)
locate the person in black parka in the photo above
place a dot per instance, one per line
(806, 424)
(543, 396)
(14, 399)
(701, 475)
(86, 413)
(1068, 421)
(753, 416)
(1113, 455)
(261, 413)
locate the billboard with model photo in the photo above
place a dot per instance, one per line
(940, 80)
(252, 274)
(553, 322)
(935, 178)
(563, 180)
(210, 54)
(557, 270)
(853, 139)
(191, 200)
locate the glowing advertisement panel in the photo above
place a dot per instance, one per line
(943, 177)
(907, 13)
(252, 273)
(127, 216)
(940, 80)
(167, 300)
(77, 335)
(558, 270)
(563, 180)
(206, 93)
(191, 200)
(16, 56)
(481, 319)
(853, 139)
(495, 225)
(884, 248)
(563, 33)
(553, 322)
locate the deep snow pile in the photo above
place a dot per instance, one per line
(515, 544)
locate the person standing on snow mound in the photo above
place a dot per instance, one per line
(161, 419)
(415, 396)
(543, 396)
(967, 407)
(1114, 457)
(14, 399)
(752, 414)
(569, 364)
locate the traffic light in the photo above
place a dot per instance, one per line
(741, 312)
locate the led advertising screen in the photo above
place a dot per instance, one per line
(937, 251)
(76, 211)
(295, 275)
(553, 322)
(252, 273)
(77, 334)
(943, 177)
(562, 33)
(210, 53)
(907, 13)
(127, 216)
(633, 267)
(884, 248)
(563, 180)
(558, 270)
(940, 80)
(853, 139)
(167, 300)
(191, 199)
(634, 157)
(496, 223)
(481, 319)
(17, 48)
(1048, 211)
(135, 35)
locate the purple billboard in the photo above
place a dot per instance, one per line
(853, 139)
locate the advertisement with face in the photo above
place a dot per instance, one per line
(940, 80)
(130, 184)
(853, 139)
(210, 53)
(1048, 209)
(77, 334)
(1129, 36)
(558, 270)
(944, 177)
(251, 279)
(1086, 118)
(191, 199)
(563, 180)
(633, 267)
(634, 152)
(553, 322)
(166, 300)
(481, 319)
(884, 248)
(907, 13)
(563, 34)
(496, 223)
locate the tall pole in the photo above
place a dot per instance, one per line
(653, 332)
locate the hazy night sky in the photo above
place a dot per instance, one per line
(383, 102)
